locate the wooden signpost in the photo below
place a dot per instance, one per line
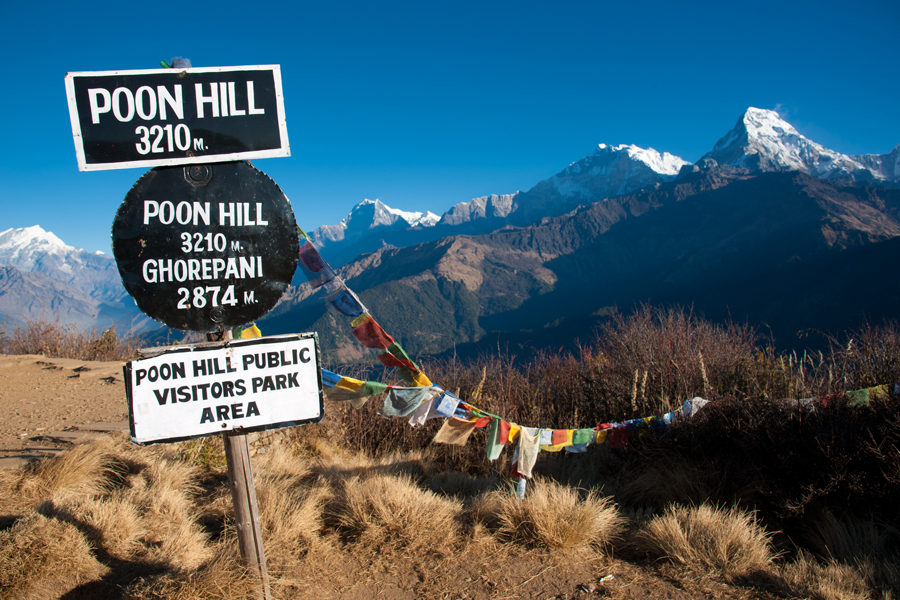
(204, 242)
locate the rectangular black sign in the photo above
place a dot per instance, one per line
(123, 119)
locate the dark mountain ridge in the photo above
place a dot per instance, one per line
(717, 229)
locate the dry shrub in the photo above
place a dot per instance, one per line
(870, 546)
(831, 581)
(394, 510)
(555, 517)
(729, 541)
(57, 340)
(44, 558)
(836, 455)
(657, 357)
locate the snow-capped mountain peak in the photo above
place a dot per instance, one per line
(33, 250)
(762, 140)
(26, 246)
(610, 171)
(664, 164)
(369, 215)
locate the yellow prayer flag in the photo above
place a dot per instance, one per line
(421, 380)
(251, 332)
(349, 384)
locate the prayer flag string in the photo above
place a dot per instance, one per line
(424, 400)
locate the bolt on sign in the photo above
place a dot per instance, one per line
(158, 117)
(247, 385)
(205, 247)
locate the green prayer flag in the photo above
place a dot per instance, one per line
(583, 436)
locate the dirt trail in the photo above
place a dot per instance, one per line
(49, 403)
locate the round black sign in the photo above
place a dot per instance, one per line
(205, 246)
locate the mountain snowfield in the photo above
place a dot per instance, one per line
(622, 169)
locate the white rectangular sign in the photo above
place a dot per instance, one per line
(157, 117)
(247, 385)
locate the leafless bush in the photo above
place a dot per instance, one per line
(57, 340)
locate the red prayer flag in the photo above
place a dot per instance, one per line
(618, 437)
(559, 436)
(482, 422)
(370, 334)
(503, 433)
(389, 360)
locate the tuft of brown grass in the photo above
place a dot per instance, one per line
(88, 470)
(830, 581)
(291, 507)
(871, 547)
(113, 525)
(554, 516)
(729, 541)
(224, 577)
(44, 558)
(393, 510)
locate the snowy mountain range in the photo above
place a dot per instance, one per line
(43, 277)
(33, 250)
(760, 141)
(40, 274)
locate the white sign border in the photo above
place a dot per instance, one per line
(126, 371)
(283, 151)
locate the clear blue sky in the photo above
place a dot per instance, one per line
(426, 104)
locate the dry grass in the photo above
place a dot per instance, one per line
(39, 557)
(149, 524)
(871, 547)
(291, 508)
(729, 541)
(88, 470)
(222, 578)
(553, 516)
(393, 510)
(830, 581)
